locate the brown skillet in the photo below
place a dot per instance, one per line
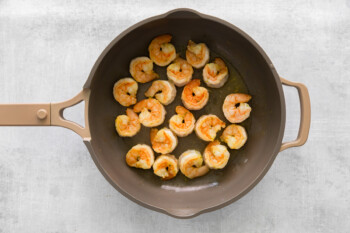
(251, 71)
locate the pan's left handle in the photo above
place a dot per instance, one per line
(46, 114)
(57, 118)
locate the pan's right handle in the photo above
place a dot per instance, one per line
(305, 117)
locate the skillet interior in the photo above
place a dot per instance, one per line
(182, 197)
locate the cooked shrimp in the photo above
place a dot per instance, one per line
(166, 167)
(152, 112)
(215, 74)
(162, 90)
(141, 69)
(193, 96)
(124, 91)
(140, 156)
(197, 54)
(207, 126)
(215, 155)
(235, 136)
(161, 51)
(127, 125)
(180, 72)
(182, 124)
(163, 141)
(191, 164)
(235, 107)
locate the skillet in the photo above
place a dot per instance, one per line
(251, 71)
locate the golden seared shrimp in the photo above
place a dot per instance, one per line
(193, 96)
(207, 126)
(197, 54)
(191, 164)
(140, 156)
(235, 136)
(235, 107)
(162, 90)
(141, 69)
(180, 72)
(215, 155)
(124, 91)
(166, 167)
(163, 141)
(127, 125)
(183, 123)
(152, 112)
(161, 51)
(215, 74)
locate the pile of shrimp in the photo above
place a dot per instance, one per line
(150, 111)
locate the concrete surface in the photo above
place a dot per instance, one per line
(48, 183)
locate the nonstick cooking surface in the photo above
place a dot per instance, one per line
(234, 84)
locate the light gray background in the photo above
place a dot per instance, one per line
(49, 183)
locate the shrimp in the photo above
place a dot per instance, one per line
(191, 164)
(141, 69)
(166, 167)
(163, 141)
(152, 112)
(235, 136)
(207, 126)
(180, 72)
(183, 123)
(197, 54)
(193, 96)
(235, 107)
(124, 91)
(161, 51)
(128, 125)
(215, 74)
(167, 91)
(215, 155)
(140, 156)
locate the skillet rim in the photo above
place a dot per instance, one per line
(190, 213)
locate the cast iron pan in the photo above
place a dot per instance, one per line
(251, 71)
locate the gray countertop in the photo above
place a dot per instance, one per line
(49, 183)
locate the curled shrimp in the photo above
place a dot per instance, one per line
(215, 74)
(191, 164)
(128, 125)
(207, 126)
(161, 51)
(163, 141)
(235, 107)
(197, 54)
(235, 136)
(215, 155)
(180, 72)
(152, 112)
(140, 156)
(125, 90)
(183, 123)
(165, 166)
(141, 69)
(163, 91)
(194, 97)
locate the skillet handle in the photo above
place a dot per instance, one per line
(57, 118)
(46, 114)
(305, 117)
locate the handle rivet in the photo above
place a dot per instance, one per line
(41, 114)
